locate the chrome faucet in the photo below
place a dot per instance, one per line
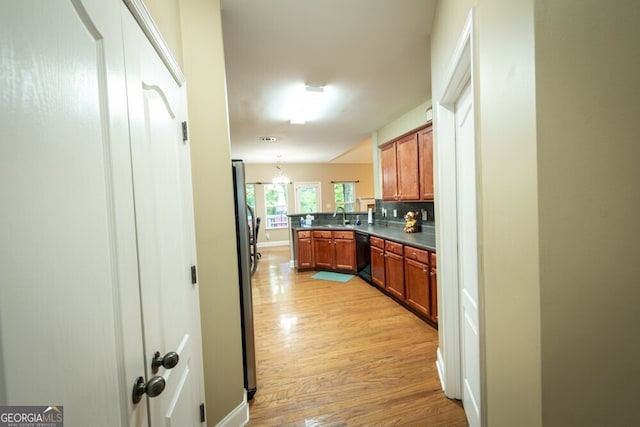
(344, 215)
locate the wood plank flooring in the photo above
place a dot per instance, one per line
(340, 354)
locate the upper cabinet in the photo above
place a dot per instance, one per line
(407, 166)
(425, 150)
(389, 176)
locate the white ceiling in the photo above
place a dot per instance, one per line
(372, 54)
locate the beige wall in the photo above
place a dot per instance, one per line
(412, 119)
(214, 212)
(166, 15)
(558, 201)
(322, 172)
(587, 70)
(507, 198)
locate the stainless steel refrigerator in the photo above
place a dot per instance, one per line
(247, 264)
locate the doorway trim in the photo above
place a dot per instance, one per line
(460, 73)
(150, 29)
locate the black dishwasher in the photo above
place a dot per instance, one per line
(363, 256)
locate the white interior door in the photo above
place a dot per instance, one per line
(165, 230)
(70, 327)
(468, 255)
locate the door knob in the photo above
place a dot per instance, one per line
(169, 361)
(153, 388)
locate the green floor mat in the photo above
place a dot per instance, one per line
(335, 277)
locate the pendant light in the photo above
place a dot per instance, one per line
(280, 177)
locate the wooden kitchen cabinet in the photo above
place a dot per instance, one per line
(345, 250)
(407, 166)
(425, 150)
(304, 251)
(377, 261)
(394, 269)
(334, 250)
(417, 280)
(389, 175)
(433, 286)
(323, 250)
(400, 172)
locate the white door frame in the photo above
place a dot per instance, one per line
(449, 358)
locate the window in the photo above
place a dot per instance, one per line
(275, 202)
(307, 195)
(251, 202)
(345, 195)
(251, 195)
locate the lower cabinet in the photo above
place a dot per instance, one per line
(417, 278)
(394, 269)
(327, 250)
(377, 261)
(304, 252)
(406, 273)
(345, 251)
(433, 286)
(323, 250)
(421, 282)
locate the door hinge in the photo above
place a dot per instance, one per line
(194, 275)
(185, 131)
(202, 418)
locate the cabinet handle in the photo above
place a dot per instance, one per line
(431, 273)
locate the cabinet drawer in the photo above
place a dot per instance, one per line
(323, 234)
(416, 254)
(432, 259)
(304, 234)
(393, 247)
(343, 235)
(377, 242)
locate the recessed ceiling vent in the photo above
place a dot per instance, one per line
(268, 139)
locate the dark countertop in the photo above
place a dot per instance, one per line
(425, 239)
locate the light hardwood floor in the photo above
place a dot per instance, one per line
(340, 354)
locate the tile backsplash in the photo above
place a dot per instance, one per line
(426, 210)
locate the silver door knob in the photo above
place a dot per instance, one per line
(153, 388)
(170, 360)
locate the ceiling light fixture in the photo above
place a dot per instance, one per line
(308, 104)
(280, 177)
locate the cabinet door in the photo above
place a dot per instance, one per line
(394, 274)
(417, 282)
(407, 168)
(345, 254)
(323, 253)
(433, 293)
(425, 145)
(305, 258)
(389, 176)
(377, 266)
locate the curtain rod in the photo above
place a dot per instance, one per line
(262, 183)
(342, 182)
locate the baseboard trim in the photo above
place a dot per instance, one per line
(238, 417)
(273, 243)
(440, 368)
